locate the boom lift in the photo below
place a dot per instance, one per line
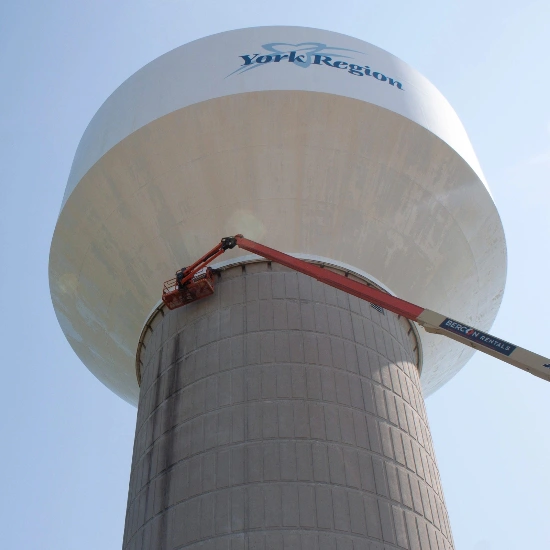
(197, 281)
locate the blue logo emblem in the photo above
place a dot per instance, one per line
(308, 54)
(302, 55)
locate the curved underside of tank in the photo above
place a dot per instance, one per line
(304, 172)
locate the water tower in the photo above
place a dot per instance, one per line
(277, 413)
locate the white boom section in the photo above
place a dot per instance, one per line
(481, 341)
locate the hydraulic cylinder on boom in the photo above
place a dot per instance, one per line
(197, 281)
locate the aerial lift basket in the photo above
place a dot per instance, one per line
(200, 286)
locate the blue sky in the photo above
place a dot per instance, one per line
(67, 441)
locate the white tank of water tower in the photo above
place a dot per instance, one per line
(278, 412)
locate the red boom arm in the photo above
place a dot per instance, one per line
(361, 290)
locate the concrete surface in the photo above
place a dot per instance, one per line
(282, 414)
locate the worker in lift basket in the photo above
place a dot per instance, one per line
(179, 277)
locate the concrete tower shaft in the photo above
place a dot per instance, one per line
(281, 413)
